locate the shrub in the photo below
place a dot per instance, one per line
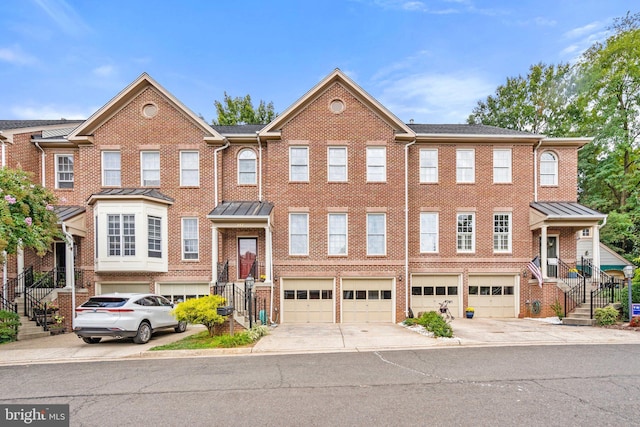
(9, 322)
(410, 321)
(257, 332)
(203, 311)
(557, 309)
(435, 324)
(606, 316)
(635, 322)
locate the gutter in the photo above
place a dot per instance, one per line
(215, 171)
(42, 165)
(259, 167)
(406, 225)
(70, 274)
(535, 171)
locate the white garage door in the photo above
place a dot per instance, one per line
(109, 288)
(307, 301)
(493, 296)
(367, 300)
(178, 292)
(428, 291)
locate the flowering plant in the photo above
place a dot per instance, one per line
(470, 310)
(50, 306)
(58, 319)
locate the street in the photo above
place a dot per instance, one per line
(537, 385)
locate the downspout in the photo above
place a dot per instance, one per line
(70, 275)
(215, 171)
(535, 171)
(406, 225)
(271, 273)
(4, 253)
(259, 167)
(42, 168)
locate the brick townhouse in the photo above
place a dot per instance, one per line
(339, 210)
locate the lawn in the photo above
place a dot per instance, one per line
(202, 340)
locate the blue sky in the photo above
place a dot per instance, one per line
(428, 60)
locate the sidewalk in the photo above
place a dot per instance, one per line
(321, 338)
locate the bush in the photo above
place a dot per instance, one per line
(9, 322)
(435, 324)
(203, 311)
(257, 332)
(557, 309)
(410, 321)
(606, 316)
(635, 322)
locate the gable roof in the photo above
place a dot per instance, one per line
(24, 124)
(272, 130)
(131, 193)
(84, 132)
(566, 210)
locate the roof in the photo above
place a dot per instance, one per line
(464, 129)
(131, 193)
(242, 208)
(66, 212)
(237, 129)
(566, 210)
(19, 124)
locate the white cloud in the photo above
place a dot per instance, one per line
(582, 31)
(104, 71)
(15, 55)
(582, 38)
(64, 16)
(50, 112)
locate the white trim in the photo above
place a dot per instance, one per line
(473, 232)
(460, 168)
(306, 215)
(182, 238)
(346, 164)
(346, 234)
(182, 169)
(384, 217)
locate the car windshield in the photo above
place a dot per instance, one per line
(105, 302)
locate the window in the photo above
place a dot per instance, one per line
(337, 234)
(111, 168)
(337, 164)
(376, 164)
(150, 165)
(548, 169)
(189, 168)
(298, 234)
(299, 164)
(428, 165)
(428, 232)
(64, 171)
(190, 238)
(465, 166)
(502, 166)
(502, 232)
(154, 237)
(247, 167)
(376, 234)
(586, 232)
(465, 232)
(121, 234)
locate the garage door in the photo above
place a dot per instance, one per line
(493, 296)
(178, 292)
(109, 288)
(428, 291)
(367, 300)
(307, 301)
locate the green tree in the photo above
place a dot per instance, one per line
(240, 111)
(202, 311)
(27, 218)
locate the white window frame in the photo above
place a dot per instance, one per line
(548, 169)
(108, 170)
(500, 236)
(146, 170)
(374, 234)
(465, 166)
(65, 170)
(337, 237)
(299, 234)
(463, 235)
(428, 165)
(154, 236)
(189, 176)
(429, 227)
(376, 164)
(337, 170)
(299, 164)
(190, 238)
(121, 241)
(502, 166)
(246, 157)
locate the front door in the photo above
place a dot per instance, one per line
(61, 262)
(247, 254)
(552, 256)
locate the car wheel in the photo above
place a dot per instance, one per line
(91, 340)
(144, 333)
(182, 326)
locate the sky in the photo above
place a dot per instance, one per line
(429, 61)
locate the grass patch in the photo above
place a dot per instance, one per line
(202, 340)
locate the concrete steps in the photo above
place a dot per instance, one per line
(580, 316)
(28, 329)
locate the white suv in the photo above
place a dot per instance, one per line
(117, 315)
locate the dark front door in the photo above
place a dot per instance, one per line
(61, 262)
(552, 256)
(247, 254)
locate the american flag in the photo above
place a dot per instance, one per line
(534, 267)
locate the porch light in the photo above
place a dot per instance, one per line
(628, 273)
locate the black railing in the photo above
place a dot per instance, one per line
(42, 286)
(244, 303)
(8, 305)
(17, 285)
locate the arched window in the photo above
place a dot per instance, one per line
(247, 167)
(548, 169)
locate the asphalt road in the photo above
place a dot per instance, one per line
(528, 386)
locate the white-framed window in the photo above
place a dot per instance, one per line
(247, 167)
(586, 232)
(337, 230)
(465, 233)
(337, 161)
(189, 168)
(150, 168)
(121, 234)
(64, 170)
(548, 169)
(298, 234)
(111, 169)
(154, 236)
(502, 232)
(299, 164)
(376, 234)
(502, 165)
(376, 164)
(465, 166)
(428, 165)
(428, 232)
(190, 241)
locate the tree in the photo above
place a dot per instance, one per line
(27, 218)
(203, 311)
(240, 111)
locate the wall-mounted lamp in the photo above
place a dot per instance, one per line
(525, 273)
(400, 278)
